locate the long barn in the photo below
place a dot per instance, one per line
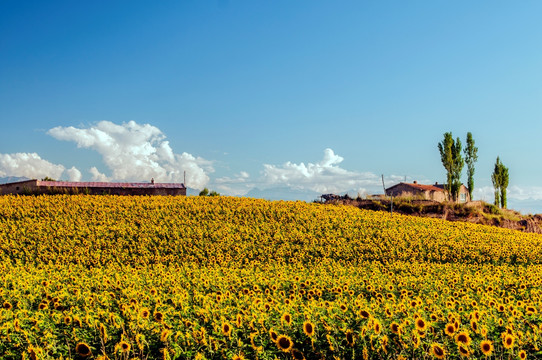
(30, 187)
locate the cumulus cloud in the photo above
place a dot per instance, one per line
(73, 174)
(325, 176)
(31, 165)
(135, 152)
(96, 175)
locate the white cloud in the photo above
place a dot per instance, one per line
(31, 165)
(520, 193)
(239, 184)
(73, 174)
(325, 176)
(97, 175)
(135, 152)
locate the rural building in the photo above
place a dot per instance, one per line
(435, 192)
(30, 187)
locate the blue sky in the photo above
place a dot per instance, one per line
(305, 96)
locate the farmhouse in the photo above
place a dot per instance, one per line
(29, 187)
(435, 192)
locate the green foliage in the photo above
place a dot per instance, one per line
(457, 168)
(500, 180)
(445, 149)
(471, 156)
(450, 155)
(47, 178)
(206, 192)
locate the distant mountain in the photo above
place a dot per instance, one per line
(283, 193)
(192, 192)
(10, 179)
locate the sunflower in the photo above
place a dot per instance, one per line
(531, 310)
(144, 313)
(238, 357)
(82, 349)
(164, 335)
(308, 328)
(415, 339)
(395, 328)
(522, 355)
(123, 346)
(420, 324)
(67, 320)
(508, 341)
(273, 335)
(487, 347)
(437, 351)
(464, 351)
(103, 333)
(364, 314)
(449, 329)
(226, 329)
(474, 325)
(377, 327)
(286, 318)
(284, 343)
(463, 338)
(7, 305)
(158, 316)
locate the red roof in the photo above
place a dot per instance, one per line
(425, 187)
(420, 187)
(73, 184)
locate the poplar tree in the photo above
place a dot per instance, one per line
(496, 180)
(504, 185)
(500, 179)
(471, 156)
(457, 168)
(450, 155)
(446, 156)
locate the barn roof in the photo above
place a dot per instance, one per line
(125, 185)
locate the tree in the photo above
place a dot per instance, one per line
(445, 149)
(504, 184)
(457, 168)
(496, 180)
(500, 180)
(47, 178)
(471, 156)
(206, 192)
(450, 155)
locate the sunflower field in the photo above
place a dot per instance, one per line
(108, 277)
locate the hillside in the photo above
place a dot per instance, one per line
(107, 277)
(476, 212)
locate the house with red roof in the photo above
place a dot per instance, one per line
(436, 192)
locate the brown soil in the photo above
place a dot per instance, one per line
(475, 212)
